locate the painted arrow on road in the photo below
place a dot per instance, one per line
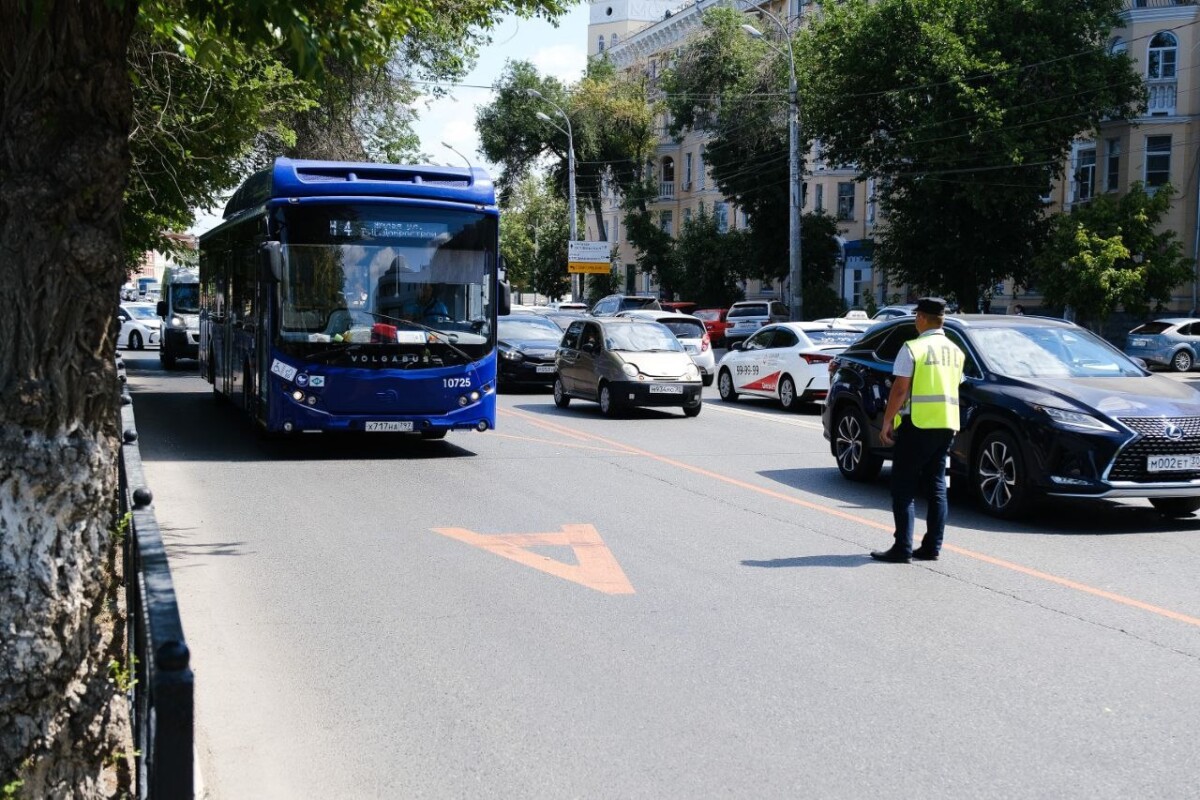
(596, 568)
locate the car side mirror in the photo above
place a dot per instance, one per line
(161, 308)
(737, 346)
(505, 299)
(589, 347)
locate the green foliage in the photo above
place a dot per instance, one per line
(122, 528)
(610, 123)
(121, 675)
(711, 263)
(643, 230)
(10, 790)
(533, 238)
(600, 285)
(965, 109)
(1110, 252)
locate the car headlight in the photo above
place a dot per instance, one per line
(177, 321)
(692, 372)
(512, 355)
(629, 369)
(1074, 419)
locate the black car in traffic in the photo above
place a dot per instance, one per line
(1047, 410)
(526, 344)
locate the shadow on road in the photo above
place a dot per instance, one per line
(1055, 516)
(182, 549)
(812, 561)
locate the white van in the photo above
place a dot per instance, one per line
(180, 312)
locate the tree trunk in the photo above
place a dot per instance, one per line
(64, 160)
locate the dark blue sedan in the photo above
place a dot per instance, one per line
(1047, 410)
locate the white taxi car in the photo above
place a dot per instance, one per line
(787, 361)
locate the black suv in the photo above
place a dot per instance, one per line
(608, 306)
(1047, 409)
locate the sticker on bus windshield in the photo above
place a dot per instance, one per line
(283, 370)
(411, 337)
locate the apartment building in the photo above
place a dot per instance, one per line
(1156, 148)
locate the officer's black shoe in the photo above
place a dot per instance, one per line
(921, 554)
(891, 556)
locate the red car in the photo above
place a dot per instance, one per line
(714, 323)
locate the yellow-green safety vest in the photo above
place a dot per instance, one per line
(937, 373)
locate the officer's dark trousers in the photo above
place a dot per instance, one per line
(919, 468)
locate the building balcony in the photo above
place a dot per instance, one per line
(666, 190)
(1162, 97)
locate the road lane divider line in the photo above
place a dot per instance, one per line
(775, 418)
(536, 440)
(845, 515)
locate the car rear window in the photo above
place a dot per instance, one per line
(752, 310)
(712, 315)
(638, 302)
(833, 336)
(685, 328)
(1152, 328)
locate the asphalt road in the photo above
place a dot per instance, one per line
(699, 619)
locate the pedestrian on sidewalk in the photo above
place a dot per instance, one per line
(920, 422)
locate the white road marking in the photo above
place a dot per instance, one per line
(721, 405)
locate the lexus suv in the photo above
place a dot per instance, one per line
(1047, 410)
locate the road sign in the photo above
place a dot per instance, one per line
(589, 257)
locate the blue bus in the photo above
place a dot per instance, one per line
(345, 297)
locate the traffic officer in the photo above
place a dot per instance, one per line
(920, 421)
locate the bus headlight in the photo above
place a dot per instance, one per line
(474, 397)
(177, 321)
(298, 396)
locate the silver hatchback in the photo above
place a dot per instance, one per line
(1173, 343)
(620, 362)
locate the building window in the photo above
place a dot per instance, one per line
(616, 228)
(600, 44)
(612, 41)
(700, 167)
(871, 201)
(687, 216)
(721, 210)
(667, 222)
(845, 201)
(1085, 174)
(1158, 161)
(687, 171)
(1161, 56)
(820, 197)
(1112, 167)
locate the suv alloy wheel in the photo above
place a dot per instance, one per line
(852, 448)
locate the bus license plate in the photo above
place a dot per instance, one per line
(1186, 463)
(665, 388)
(390, 426)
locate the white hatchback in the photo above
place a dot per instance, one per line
(745, 317)
(787, 361)
(691, 333)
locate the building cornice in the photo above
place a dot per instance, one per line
(669, 32)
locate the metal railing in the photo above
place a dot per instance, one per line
(161, 697)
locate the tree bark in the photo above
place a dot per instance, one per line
(65, 111)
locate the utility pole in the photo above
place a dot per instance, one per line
(576, 280)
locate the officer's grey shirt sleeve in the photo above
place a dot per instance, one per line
(903, 368)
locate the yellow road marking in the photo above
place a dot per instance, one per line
(835, 512)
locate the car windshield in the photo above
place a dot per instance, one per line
(141, 312)
(525, 330)
(752, 310)
(186, 298)
(1152, 328)
(640, 337)
(1051, 353)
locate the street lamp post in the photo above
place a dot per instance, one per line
(796, 301)
(576, 282)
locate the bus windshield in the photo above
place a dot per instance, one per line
(386, 274)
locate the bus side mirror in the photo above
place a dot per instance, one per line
(505, 299)
(161, 308)
(272, 261)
